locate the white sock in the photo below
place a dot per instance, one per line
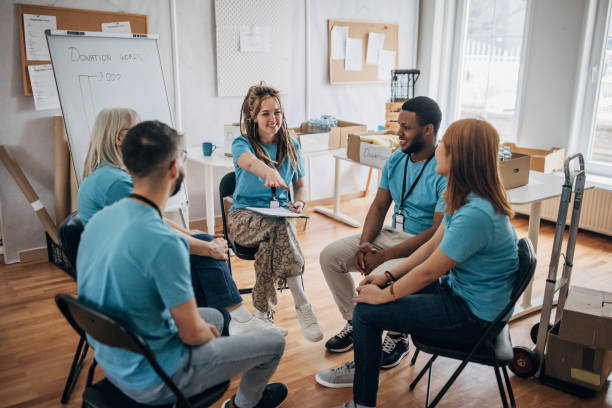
(241, 314)
(297, 291)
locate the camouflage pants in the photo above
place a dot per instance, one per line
(279, 255)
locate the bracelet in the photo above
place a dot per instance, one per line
(389, 277)
(392, 291)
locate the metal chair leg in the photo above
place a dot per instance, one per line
(500, 385)
(75, 369)
(420, 375)
(450, 382)
(509, 387)
(414, 356)
(428, 385)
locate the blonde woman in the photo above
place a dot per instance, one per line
(267, 160)
(106, 182)
(475, 244)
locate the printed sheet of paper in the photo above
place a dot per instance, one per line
(375, 46)
(276, 212)
(117, 27)
(339, 34)
(354, 54)
(34, 27)
(254, 39)
(386, 63)
(43, 87)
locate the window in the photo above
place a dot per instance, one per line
(492, 42)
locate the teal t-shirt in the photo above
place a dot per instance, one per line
(427, 196)
(133, 266)
(101, 188)
(484, 245)
(250, 190)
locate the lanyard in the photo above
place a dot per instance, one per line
(146, 200)
(274, 194)
(414, 183)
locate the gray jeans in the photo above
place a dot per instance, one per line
(255, 354)
(338, 259)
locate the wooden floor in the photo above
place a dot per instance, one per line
(37, 345)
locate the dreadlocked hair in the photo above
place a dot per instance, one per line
(248, 127)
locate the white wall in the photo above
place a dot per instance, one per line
(29, 134)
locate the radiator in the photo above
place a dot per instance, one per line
(595, 215)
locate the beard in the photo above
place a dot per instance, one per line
(178, 183)
(418, 143)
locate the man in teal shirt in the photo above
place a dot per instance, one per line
(133, 266)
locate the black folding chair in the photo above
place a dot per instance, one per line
(495, 352)
(70, 235)
(227, 185)
(114, 333)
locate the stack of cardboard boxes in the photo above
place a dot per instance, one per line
(392, 112)
(579, 350)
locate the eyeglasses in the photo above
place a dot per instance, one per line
(124, 129)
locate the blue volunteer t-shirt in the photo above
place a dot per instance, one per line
(427, 196)
(250, 190)
(484, 245)
(134, 267)
(101, 188)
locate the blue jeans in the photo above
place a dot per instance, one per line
(256, 355)
(212, 283)
(434, 312)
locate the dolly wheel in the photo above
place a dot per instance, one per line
(524, 363)
(534, 332)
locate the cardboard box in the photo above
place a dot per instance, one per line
(335, 138)
(230, 132)
(576, 363)
(367, 153)
(515, 172)
(587, 318)
(545, 161)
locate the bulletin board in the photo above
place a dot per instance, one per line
(361, 30)
(71, 19)
(237, 70)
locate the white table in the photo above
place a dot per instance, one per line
(219, 160)
(216, 160)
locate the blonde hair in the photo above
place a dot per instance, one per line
(248, 127)
(103, 144)
(473, 145)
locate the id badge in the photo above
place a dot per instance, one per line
(274, 204)
(399, 221)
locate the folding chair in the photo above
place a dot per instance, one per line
(227, 185)
(114, 333)
(70, 235)
(496, 352)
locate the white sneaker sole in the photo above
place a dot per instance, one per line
(395, 363)
(332, 385)
(344, 350)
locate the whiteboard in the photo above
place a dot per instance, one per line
(94, 71)
(237, 70)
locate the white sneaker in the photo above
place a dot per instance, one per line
(268, 319)
(310, 327)
(252, 325)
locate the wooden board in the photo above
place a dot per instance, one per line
(360, 30)
(71, 19)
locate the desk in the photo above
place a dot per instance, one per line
(219, 160)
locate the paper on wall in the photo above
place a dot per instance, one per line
(339, 35)
(354, 51)
(386, 63)
(375, 46)
(254, 39)
(117, 27)
(43, 87)
(34, 27)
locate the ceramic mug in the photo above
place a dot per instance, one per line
(208, 148)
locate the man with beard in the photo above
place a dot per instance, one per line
(133, 266)
(409, 181)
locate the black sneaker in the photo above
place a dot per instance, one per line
(274, 394)
(342, 341)
(394, 349)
